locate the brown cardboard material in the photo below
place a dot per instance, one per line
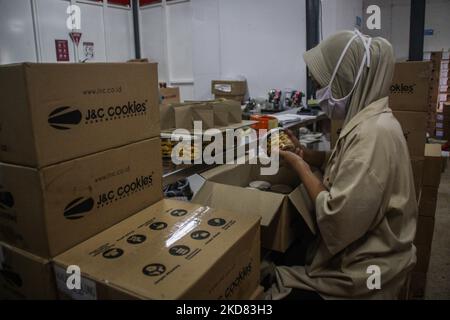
(24, 276)
(171, 250)
(258, 294)
(225, 188)
(427, 208)
(414, 125)
(213, 114)
(184, 117)
(237, 98)
(425, 231)
(205, 114)
(417, 285)
(423, 258)
(229, 87)
(221, 115)
(51, 113)
(234, 110)
(169, 95)
(410, 86)
(417, 164)
(167, 115)
(433, 165)
(49, 210)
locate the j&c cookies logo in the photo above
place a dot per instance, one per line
(402, 88)
(80, 207)
(65, 118)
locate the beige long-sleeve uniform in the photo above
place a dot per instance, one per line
(367, 217)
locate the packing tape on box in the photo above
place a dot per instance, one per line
(88, 288)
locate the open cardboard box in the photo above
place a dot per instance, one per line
(212, 114)
(225, 188)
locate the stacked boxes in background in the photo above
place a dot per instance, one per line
(425, 224)
(409, 102)
(169, 95)
(229, 89)
(439, 95)
(66, 171)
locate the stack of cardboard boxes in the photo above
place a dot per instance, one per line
(66, 172)
(425, 225)
(409, 102)
(439, 95)
(68, 175)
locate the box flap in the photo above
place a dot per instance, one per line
(302, 202)
(240, 200)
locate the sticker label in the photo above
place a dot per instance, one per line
(222, 87)
(88, 289)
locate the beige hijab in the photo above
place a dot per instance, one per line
(374, 82)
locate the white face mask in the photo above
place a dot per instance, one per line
(336, 108)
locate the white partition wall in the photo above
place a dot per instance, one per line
(119, 34)
(29, 28)
(16, 32)
(262, 40)
(166, 37)
(152, 22)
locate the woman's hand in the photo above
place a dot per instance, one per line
(294, 159)
(312, 184)
(313, 158)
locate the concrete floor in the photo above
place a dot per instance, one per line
(438, 281)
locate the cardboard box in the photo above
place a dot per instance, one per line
(229, 87)
(258, 294)
(423, 258)
(48, 211)
(51, 113)
(212, 114)
(433, 165)
(417, 285)
(239, 98)
(424, 231)
(417, 164)
(25, 276)
(169, 95)
(171, 250)
(226, 188)
(428, 202)
(410, 86)
(336, 128)
(414, 125)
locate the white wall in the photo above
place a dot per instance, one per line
(110, 28)
(395, 25)
(437, 17)
(16, 32)
(340, 15)
(166, 37)
(260, 39)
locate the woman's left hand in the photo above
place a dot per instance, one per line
(294, 160)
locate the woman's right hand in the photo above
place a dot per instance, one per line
(300, 150)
